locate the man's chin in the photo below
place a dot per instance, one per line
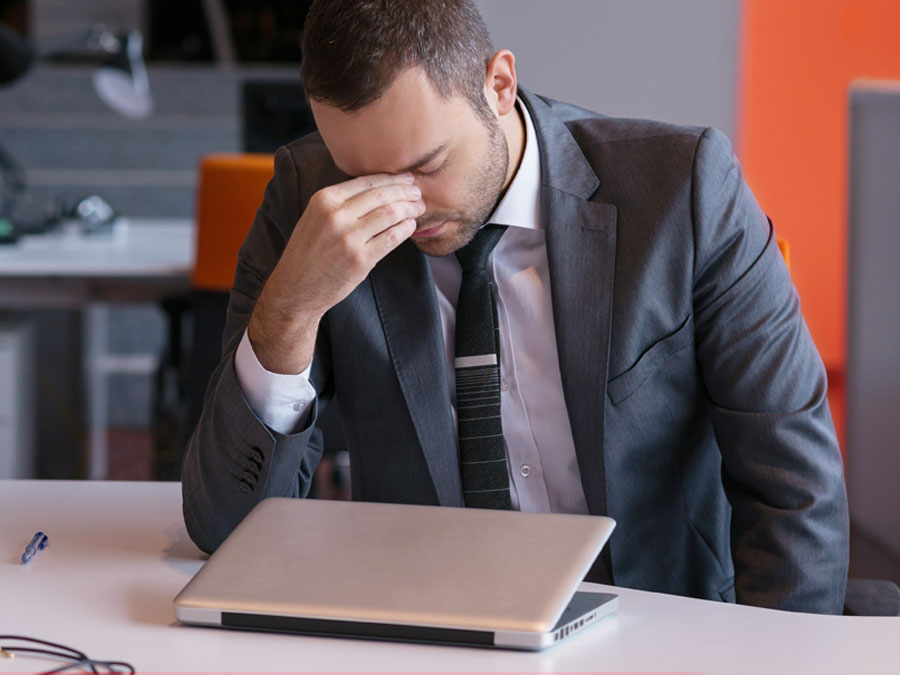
(438, 246)
(452, 237)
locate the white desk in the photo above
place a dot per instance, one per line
(143, 260)
(119, 553)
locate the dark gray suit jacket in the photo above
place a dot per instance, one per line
(694, 391)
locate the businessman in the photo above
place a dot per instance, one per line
(523, 304)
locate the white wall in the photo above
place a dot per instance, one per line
(674, 60)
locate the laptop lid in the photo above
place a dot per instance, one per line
(371, 565)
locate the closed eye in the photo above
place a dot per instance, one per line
(433, 172)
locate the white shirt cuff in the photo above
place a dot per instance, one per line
(282, 402)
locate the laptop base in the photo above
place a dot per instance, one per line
(583, 611)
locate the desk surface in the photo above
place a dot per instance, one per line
(136, 247)
(119, 553)
(142, 260)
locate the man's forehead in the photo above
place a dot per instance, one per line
(393, 133)
(387, 151)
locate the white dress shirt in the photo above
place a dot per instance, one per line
(543, 468)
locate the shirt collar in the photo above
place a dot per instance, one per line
(520, 206)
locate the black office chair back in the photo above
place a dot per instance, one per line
(872, 597)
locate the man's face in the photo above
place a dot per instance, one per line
(460, 161)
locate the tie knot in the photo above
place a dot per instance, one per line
(475, 254)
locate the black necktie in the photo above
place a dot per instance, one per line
(482, 456)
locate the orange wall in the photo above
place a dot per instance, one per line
(797, 60)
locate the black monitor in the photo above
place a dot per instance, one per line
(274, 113)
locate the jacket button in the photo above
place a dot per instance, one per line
(253, 467)
(257, 456)
(249, 478)
(245, 487)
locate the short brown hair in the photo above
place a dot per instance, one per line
(353, 50)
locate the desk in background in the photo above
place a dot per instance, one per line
(119, 553)
(143, 260)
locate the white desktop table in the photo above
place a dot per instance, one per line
(141, 260)
(118, 553)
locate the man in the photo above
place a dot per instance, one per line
(653, 362)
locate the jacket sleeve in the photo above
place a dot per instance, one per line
(781, 466)
(233, 460)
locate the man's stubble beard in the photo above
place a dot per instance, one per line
(484, 188)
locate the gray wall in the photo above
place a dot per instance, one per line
(661, 59)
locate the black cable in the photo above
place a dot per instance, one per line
(109, 665)
(75, 653)
(75, 657)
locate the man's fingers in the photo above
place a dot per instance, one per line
(351, 188)
(367, 201)
(382, 244)
(380, 219)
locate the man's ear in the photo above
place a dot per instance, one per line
(500, 82)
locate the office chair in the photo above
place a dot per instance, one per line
(871, 597)
(229, 190)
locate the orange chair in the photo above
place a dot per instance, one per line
(230, 190)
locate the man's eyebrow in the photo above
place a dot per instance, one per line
(427, 157)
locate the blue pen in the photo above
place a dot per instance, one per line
(38, 542)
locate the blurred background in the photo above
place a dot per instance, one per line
(123, 125)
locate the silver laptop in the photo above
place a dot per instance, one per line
(400, 572)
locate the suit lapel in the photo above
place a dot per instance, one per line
(581, 250)
(407, 305)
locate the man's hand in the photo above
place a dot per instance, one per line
(344, 231)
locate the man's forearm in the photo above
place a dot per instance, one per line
(283, 338)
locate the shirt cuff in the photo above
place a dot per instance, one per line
(282, 402)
